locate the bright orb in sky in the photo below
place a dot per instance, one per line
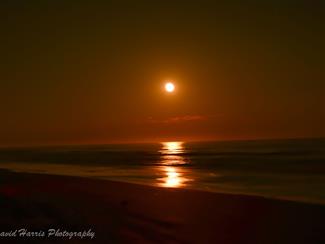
(169, 87)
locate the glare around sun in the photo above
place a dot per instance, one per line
(169, 87)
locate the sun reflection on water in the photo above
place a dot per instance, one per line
(171, 153)
(173, 147)
(172, 178)
(172, 163)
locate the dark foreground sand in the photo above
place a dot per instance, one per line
(129, 213)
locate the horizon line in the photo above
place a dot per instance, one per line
(156, 142)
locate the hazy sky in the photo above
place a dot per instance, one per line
(93, 72)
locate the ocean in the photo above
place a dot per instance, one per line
(284, 169)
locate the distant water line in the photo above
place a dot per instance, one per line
(286, 169)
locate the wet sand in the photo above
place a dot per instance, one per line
(129, 213)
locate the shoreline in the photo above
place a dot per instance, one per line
(122, 212)
(32, 171)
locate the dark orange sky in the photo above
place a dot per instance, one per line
(93, 72)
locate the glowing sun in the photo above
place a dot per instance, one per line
(169, 87)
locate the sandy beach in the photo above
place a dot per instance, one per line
(119, 212)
